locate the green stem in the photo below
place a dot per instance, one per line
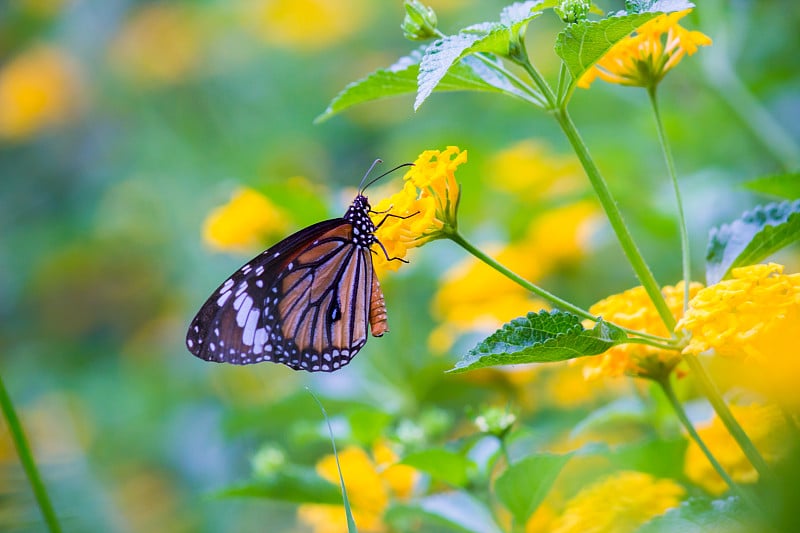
(712, 394)
(666, 386)
(26, 458)
(665, 148)
(644, 338)
(614, 215)
(537, 78)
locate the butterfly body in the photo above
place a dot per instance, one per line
(306, 302)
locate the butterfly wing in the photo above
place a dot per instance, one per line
(304, 303)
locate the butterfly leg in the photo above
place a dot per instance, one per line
(390, 215)
(385, 253)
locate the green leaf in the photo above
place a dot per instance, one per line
(523, 486)
(443, 465)
(366, 424)
(700, 514)
(582, 44)
(489, 38)
(542, 337)
(780, 185)
(457, 510)
(469, 74)
(751, 238)
(291, 484)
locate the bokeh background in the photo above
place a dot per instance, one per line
(124, 125)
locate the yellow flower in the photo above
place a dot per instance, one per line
(159, 44)
(428, 201)
(530, 168)
(633, 309)
(247, 221)
(305, 24)
(619, 503)
(370, 482)
(644, 58)
(765, 426)
(39, 89)
(752, 318)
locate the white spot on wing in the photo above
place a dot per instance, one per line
(224, 298)
(244, 310)
(250, 327)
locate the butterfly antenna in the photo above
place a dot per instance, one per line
(373, 165)
(362, 189)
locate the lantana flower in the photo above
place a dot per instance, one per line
(766, 427)
(621, 503)
(247, 221)
(751, 319)
(371, 483)
(634, 310)
(428, 202)
(644, 58)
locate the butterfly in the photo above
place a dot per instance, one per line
(306, 302)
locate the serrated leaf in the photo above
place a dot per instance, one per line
(699, 514)
(519, 14)
(457, 510)
(781, 185)
(582, 44)
(291, 484)
(751, 238)
(488, 38)
(542, 337)
(469, 74)
(523, 486)
(443, 465)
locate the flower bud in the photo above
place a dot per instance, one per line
(572, 11)
(496, 421)
(419, 23)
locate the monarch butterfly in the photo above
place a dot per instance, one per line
(306, 302)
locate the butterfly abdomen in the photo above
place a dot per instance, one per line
(377, 310)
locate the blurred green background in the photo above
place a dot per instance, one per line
(123, 124)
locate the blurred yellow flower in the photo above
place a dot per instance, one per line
(159, 44)
(477, 297)
(305, 24)
(39, 89)
(752, 318)
(634, 310)
(766, 427)
(247, 221)
(619, 503)
(531, 169)
(428, 201)
(644, 58)
(371, 483)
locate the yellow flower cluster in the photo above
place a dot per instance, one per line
(644, 58)
(428, 201)
(160, 44)
(475, 296)
(634, 310)
(247, 221)
(753, 318)
(531, 170)
(765, 426)
(371, 483)
(39, 89)
(751, 315)
(305, 24)
(620, 503)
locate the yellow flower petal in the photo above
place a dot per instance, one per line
(244, 223)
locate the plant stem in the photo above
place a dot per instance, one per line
(614, 215)
(712, 394)
(665, 148)
(644, 338)
(669, 392)
(28, 463)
